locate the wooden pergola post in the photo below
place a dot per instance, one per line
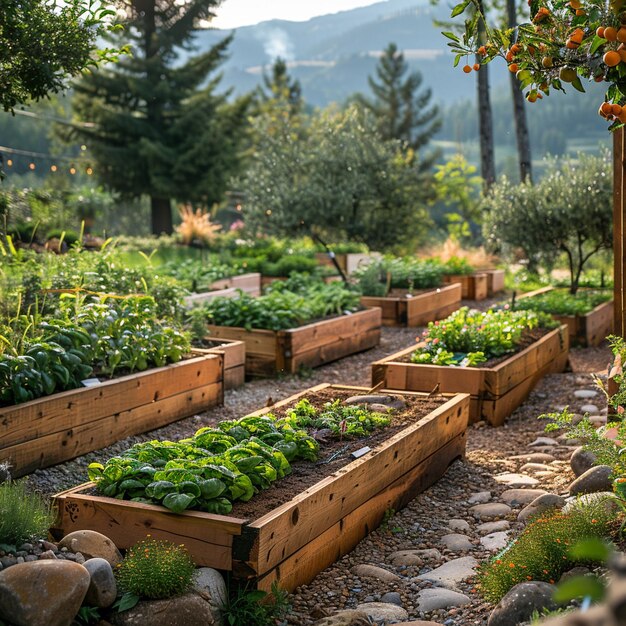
(619, 224)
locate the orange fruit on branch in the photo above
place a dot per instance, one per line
(606, 109)
(513, 68)
(547, 62)
(611, 58)
(568, 74)
(610, 33)
(467, 69)
(600, 32)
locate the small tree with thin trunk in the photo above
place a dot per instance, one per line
(570, 211)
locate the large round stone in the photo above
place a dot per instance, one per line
(42, 593)
(92, 544)
(521, 601)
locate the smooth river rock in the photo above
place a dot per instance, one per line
(519, 603)
(102, 586)
(92, 544)
(581, 461)
(521, 496)
(453, 572)
(541, 505)
(597, 478)
(440, 598)
(42, 593)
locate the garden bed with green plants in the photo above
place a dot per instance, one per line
(300, 322)
(588, 313)
(495, 356)
(409, 291)
(291, 453)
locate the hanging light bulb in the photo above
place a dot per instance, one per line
(31, 166)
(9, 162)
(89, 171)
(53, 168)
(72, 170)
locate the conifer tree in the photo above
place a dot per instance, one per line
(401, 110)
(278, 85)
(159, 126)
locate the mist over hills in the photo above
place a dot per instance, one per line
(333, 55)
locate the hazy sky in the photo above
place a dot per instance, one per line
(233, 13)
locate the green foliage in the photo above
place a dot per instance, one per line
(458, 189)
(255, 608)
(542, 551)
(337, 177)
(155, 570)
(469, 337)
(569, 211)
(42, 44)
(377, 278)
(455, 266)
(232, 461)
(24, 514)
(159, 127)
(197, 276)
(279, 309)
(560, 302)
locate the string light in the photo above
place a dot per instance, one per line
(72, 170)
(53, 168)
(9, 162)
(31, 166)
(89, 171)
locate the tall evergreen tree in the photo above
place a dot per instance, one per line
(278, 85)
(159, 127)
(401, 110)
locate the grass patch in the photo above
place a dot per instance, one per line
(24, 515)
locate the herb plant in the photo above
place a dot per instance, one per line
(155, 570)
(469, 337)
(377, 278)
(256, 607)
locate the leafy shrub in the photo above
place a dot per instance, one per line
(542, 551)
(288, 264)
(155, 570)
(469, 337)
(561, 302)
(24, 514)
(196, 275)
(455, 266)
(70, 237)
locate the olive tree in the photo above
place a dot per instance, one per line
(569, 211)
(336, 176)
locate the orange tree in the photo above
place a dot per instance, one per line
(563, 43)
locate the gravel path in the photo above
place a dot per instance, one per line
(426, 520)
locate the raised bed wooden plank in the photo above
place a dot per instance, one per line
(495, 281)
(343, 536)
(281, 541)
(509, 382)
(311, 345)
(234, 353)
(278, 534)
(208, 537)
(417, 310)
(473, 286)
(48, 430)
(228, 288)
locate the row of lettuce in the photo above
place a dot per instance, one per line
(233, 460)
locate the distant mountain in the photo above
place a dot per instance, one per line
(333, 55)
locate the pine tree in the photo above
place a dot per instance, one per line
(402, 112)
(159, 127)
(280, 86)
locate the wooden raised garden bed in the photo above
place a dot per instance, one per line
(62, 426)
(228, 288)
(473, 286)
(234, 359)
(299, 538)
(349, 262)
(495, 281)
(495, 391)
(587, 330)
(418, 309)
(269, 352)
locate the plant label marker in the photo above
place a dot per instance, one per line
(357, 454)
(91, 382)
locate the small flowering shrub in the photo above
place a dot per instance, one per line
(542, 552)
(469, 337)
(155, 570)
